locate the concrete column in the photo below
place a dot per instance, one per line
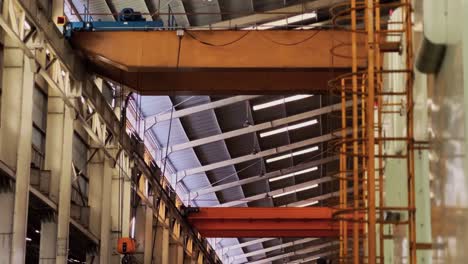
(176, 253)
(148, 249)
(53, 163)
(58, 159)
(65, 187)
(15, 144)
(157, 258)
(96, 173)
(189, 259)
(126, 207)
(161, 247)
(116, 213)
(106, 246)
(7, 200)
(140, 219)
(47, 248)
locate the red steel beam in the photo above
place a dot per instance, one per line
(265, 222)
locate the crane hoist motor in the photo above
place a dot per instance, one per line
(127, 20)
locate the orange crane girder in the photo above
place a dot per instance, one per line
(219, 61)
(265, 222)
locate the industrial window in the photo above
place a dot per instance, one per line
(81, 183)
(39, 118)
(80, 153)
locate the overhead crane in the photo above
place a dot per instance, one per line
(219, 61)
(265, 222)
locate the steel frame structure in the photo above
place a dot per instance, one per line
(362, 153)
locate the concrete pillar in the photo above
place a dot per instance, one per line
(58, 160)
(15, 146)
(7, 200)
(140, 219)
(53, 162)
(116, 213)
(189, 259)
(126, 207)
(176, 253)
(96, 173)
(161, 247)
(157, 258)
(65, 187)
(148, 249)
(106, 240)
(47, 247)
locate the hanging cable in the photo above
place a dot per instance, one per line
(292, 43)
(167, 144)
(217, 45)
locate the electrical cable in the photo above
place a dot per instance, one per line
(292, 43)
(217, 45)
(167, 144)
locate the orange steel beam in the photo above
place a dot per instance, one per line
(230, 82)
(265, 222)
(136, 50)
(227, 62)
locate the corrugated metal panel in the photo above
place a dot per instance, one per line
(176, 7)
(205, 124)
(235, 8)
(181, 160)
(202, 6)
(95, 7)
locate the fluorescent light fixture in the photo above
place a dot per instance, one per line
(296, 153)
(284, 21)
(281, 101)
(293, 174)
(28, 239)
(289, 128)
(37, 231)
(308, 204)
(295, 191)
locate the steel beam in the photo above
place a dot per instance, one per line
(210, 61)
(255, 128)
(230, 49)
(276, 192)
(266, 176)
(222, 81)
(258, 222)
(261, 154)
(154, 119)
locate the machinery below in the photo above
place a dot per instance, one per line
(128, 20)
